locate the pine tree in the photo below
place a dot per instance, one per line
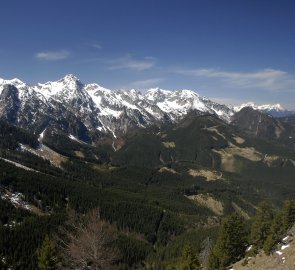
(288, 214)
(47, 259)
(190, 260)
(282, 222)
(231, 243)
(261, 225)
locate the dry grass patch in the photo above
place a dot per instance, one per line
(270, 159)
(166, 169)
(245, 152)
(103, 168)
(239, 140)
(227, 161)
(208, 201)
(79, 154)
(169, 144)
(215, 130)
(240, 211)
(209, 175)
(55, 158)
(228, 156)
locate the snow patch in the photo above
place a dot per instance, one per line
(265, 107)
(17, 199)
(286, 238)
(285, 246)
(72, 137)
(41, 136)
(249, 248)
(279, 253)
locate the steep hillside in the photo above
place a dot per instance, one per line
(289, 119)
(260, 125)
(205, 147)
(283, 258)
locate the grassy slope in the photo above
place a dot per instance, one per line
(283, 260)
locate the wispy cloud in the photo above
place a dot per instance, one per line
(53, 55)
(270, 79)
(129, 62)
(147, 82)
(96, 46)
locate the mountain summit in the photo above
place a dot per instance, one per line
(275, 110)
(92, 111)
(71, 106)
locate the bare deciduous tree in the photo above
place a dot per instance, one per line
(207, 246)
(89, 244)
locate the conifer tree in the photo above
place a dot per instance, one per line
(261, 225)
(48, 259)
(231, 243)
(288, 214)
(273, 237)
(190, 260)
(282, 222)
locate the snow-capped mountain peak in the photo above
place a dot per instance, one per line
(68, 86)
(92, 87)
(15, 82)
(70, 78)
(264, 107)
(156, 94)
(134, 94)
(273, 109)
(185, 93)
(70, 81)
(90, 109)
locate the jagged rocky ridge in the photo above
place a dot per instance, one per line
(89, 111)
(275, 110)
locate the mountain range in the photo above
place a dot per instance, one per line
(90, 112)
(163, 167)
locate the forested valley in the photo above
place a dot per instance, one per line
(169, 199)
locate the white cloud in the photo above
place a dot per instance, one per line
(96, 46)
(128, 62)
(147, 82)
(53, 55)
(270, 79)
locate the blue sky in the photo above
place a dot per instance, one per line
(231, 51)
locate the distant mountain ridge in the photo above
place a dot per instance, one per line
(91, 112)
(275, 110)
